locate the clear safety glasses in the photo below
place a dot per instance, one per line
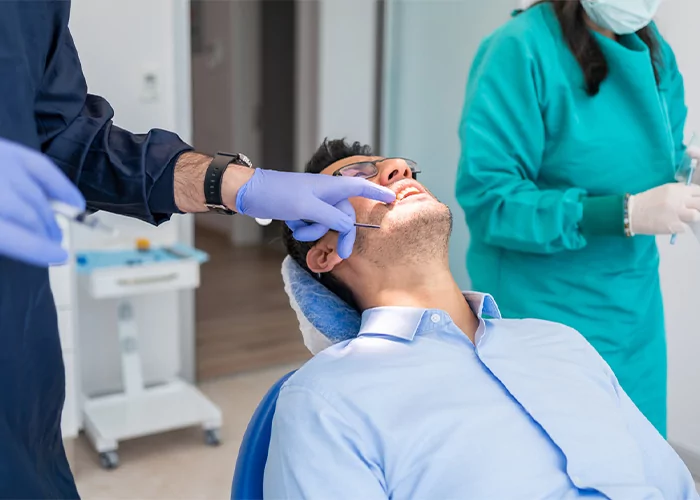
(369, 169)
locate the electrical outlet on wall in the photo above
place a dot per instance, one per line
(150, 85)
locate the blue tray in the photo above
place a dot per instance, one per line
(87, 262)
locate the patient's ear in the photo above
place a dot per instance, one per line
(323, 257)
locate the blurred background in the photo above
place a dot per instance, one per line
(271, 79)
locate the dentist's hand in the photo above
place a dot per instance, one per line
(303, 231)
(28, 228)
(294, 197)
(666, 209)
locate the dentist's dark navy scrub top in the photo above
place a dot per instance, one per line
(44, 104)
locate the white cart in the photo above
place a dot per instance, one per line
(141, 410)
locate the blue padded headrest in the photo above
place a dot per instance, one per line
(324, 318)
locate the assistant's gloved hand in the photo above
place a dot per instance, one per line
(295, 197)
(666, 209)
(28, 228)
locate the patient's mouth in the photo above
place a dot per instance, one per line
(406, 192)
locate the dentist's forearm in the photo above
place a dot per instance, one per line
(189, 182)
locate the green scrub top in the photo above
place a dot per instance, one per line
(542, 175)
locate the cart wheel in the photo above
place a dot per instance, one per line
(109, 460)
(211, 437)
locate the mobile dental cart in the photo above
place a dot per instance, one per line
(139, 410)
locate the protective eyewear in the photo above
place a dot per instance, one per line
(369, 169)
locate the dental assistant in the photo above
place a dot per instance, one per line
(57, 142)
(572, 135)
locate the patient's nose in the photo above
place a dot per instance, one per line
(393, 170)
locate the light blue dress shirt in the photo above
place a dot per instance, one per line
(412, 409)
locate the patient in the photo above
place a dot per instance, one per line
(439, 398)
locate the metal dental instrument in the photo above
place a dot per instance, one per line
(76, 215)
(693, 166)
(356, 224)
(266, 222)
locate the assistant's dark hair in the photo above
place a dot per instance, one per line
(585, 48)
(328, 153)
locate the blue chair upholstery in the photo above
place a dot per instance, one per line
(252, 455)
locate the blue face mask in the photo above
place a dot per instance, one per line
(622, 17)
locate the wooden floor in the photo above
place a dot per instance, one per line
(244, 321)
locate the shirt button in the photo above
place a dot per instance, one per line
(435, 318)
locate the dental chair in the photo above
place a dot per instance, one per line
(324, 320)
(252, 455)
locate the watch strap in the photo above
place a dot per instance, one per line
(214, 176)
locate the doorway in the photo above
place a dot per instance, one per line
(243, 86)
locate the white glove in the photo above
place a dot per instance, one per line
(666, 209)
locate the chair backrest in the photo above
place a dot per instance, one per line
(252, 455)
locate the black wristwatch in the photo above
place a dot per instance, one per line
(214, 176)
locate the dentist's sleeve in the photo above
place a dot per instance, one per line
(116, 170)
(316, 454)
(503, 140)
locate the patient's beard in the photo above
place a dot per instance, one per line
(418, 240)
(406, 264)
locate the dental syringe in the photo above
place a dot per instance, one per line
(76, 215)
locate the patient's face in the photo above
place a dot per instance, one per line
(414, 224)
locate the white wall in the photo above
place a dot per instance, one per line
(119, 42)
(680, 264)
(430, 47)
(347, 72)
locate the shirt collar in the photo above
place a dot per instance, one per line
(405, 322)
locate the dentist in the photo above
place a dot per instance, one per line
(572, 137)
(57, 142)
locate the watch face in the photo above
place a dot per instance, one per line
(244, 160)
(219, 209)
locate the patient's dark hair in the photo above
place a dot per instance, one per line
(329, 153)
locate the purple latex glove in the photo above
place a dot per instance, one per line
(295, 197)
(28, 228)
(310, 232)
